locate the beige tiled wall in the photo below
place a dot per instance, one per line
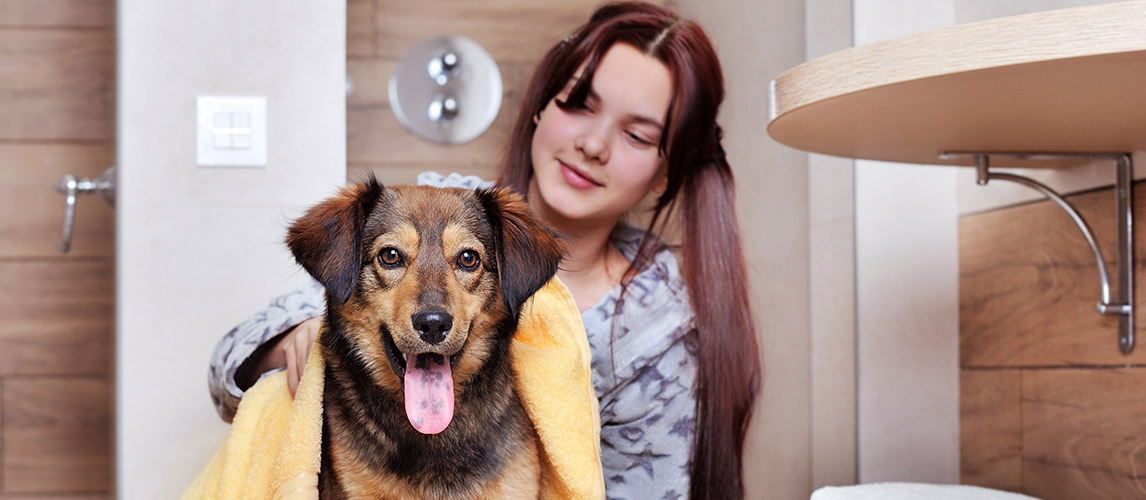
(906, 288)
(831, 207)
(200, 249)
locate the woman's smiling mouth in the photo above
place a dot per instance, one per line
(576, 177)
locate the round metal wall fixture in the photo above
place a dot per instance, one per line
(446, 90)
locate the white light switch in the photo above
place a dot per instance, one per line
(232, 131)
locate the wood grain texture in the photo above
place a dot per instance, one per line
(56, 318)
(64, 496)
(32, 211)
(58, 85)
(57, 435)
(85, 14)
(515, 32)
(990, 428)
(1083, 434)
(1029, 285)
(375, 136)
(971, 87)
(359, 29)
(510, 30)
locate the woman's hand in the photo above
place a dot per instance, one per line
(290, 351)
(295, 347)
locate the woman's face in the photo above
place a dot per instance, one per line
(593, 163)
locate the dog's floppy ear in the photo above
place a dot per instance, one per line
(528, 251)
(327, 240)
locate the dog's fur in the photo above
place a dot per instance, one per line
(370, 448)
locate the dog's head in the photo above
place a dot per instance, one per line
(424, 283)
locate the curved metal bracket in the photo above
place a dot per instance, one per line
(1124, 306)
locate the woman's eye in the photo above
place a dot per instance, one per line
(390, 257)
(638, 139)
(468, 260)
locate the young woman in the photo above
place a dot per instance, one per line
(623, 108)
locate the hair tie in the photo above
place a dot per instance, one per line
(719, 139)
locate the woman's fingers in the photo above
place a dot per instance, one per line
(292, 368)
(297, 350)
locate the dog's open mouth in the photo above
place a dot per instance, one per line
(428, 382)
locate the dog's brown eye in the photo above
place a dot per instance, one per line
(390, 257)
(468, 260)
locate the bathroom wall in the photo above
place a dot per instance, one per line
(379, 32)
(1045, 393)
(200, 249)
(1050, 405)
(57, 102)
(906, 294)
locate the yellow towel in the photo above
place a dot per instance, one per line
(274, 449)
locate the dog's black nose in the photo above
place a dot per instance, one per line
(433, 326)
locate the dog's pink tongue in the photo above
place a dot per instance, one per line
(429, 393)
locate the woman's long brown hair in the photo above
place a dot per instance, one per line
(700, 180)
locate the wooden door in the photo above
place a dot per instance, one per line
(57, 92)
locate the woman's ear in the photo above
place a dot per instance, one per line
(660, 184)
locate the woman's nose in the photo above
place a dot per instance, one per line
(593, 143)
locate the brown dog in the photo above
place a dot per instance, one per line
(424, 286)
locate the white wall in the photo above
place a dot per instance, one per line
(907, 293)
(831, 240)
(200, 249)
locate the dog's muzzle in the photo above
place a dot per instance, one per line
(432, 326)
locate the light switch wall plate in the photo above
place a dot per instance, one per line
(232, 131)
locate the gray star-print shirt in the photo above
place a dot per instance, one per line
(644, 369)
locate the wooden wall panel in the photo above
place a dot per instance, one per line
(1028, 289)
(374, 136)
(57, 436)
(1083, 433)
(57, 85)
(1029, 285)
(57, 13)
(56, 319)
(65, 496)
(32, 212)
(57, 117)
(990, 428)
(515, 32)
(359, 29)
(511, 30)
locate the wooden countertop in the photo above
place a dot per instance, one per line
(1063, 81)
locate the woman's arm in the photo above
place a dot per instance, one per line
(240, 356)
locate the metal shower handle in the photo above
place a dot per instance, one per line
(71, 187)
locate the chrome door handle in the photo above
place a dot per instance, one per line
(71, 187)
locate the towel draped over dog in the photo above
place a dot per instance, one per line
(275, 445)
